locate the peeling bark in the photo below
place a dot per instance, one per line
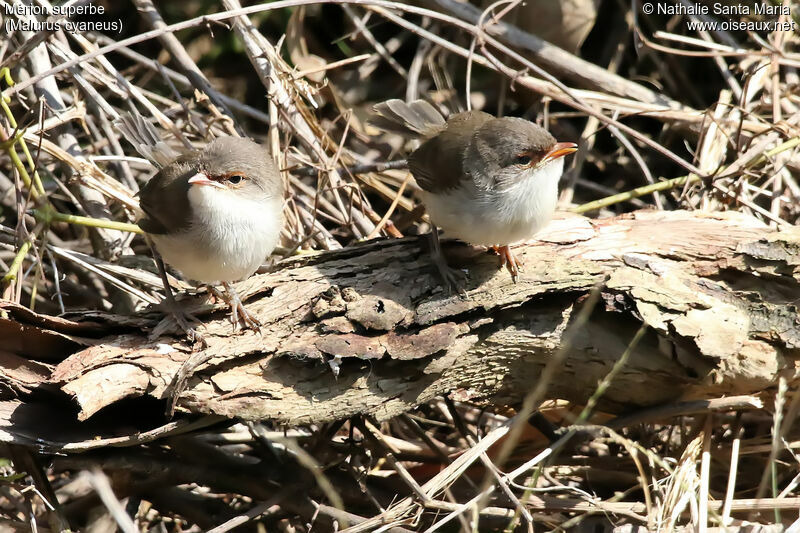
(367, 330)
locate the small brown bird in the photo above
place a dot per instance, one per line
(485, 180)
(213, 214)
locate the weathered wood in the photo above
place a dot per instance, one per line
(719, 293)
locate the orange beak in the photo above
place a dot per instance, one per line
(202, 179)
(560, 150)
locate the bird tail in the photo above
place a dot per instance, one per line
(144, 137)
(415, 119)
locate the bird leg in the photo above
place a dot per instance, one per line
(214, 294)
(454, 279)
(180, 315)
(509, 260)
(239, 313)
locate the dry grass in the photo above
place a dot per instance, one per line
(705, 120)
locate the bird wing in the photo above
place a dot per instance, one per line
(415, 119)
(165, 197)
(437, 165)
(144, 137)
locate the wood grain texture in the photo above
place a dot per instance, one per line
(367, 330)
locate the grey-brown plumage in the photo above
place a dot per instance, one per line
(484, 180)
(416, 119)
(438, 163)
(164, 198)
(144, 137)
(472, 145)
(214, 214)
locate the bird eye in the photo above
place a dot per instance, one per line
(236, 178)
(522, 160)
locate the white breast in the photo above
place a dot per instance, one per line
(229, 238)
(498, 217)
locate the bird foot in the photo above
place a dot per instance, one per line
(215, 295)
(240, 316)
(509, 260)
(184, 320)
(454, 279)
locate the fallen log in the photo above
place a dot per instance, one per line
(368, 330)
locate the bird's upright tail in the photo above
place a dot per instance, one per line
(415, 119)
(144, 137)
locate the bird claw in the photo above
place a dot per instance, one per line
(240, 316)
(454, 279)
(183, 319)
(196, 339)
(214, 294)
(509, 260)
